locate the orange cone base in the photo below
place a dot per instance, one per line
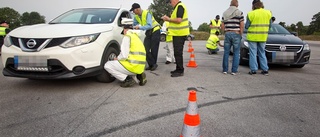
(192, 64)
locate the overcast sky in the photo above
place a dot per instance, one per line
(200, 11)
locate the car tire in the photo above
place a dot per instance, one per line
(106, 77)
(297, 66)
(162, 38)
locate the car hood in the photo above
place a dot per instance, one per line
(59, 30)
(282, 39)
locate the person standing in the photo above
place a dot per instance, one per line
(233, 25)
(212, 43)
(4, 30)
(130, 62)
(179, 29)
(258, 24)
(144, 20)
(169, 46)
(215, 25)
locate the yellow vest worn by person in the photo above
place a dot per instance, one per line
(143, 20)
(3, 31)
(216, 24)
(212, 42)
(136, 60)
(168, 37)
(259, 28)
(181, 29)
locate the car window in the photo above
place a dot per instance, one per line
(87, 16)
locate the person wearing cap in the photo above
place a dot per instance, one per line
(273, 19)
(179, 29)
(258, 24)
(215, 25)
(131, 61)
(4, 30)
(232, 25)
(144, 20)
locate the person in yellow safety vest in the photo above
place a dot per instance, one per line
(144, 20)
(179, 29)
(215, 25)
(131, 61)
(213, 43)
(4, 30)
(169, 46)
(257, 25)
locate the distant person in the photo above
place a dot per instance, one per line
(273, 19)
(233, 25)
(179, 29)
(258, 24)
(4, 30)
(215, 25)
(212, 44)
(144, 20)
(169, 46)
(130, 62)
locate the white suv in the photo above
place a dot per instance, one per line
(76, 44)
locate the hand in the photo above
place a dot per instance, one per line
(165, 18)
(136, 27)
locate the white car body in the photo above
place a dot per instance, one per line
(22, 57)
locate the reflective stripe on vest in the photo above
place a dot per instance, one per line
(212, 42)
(168, 37)
(2, 31)
(214, 30)
(143, 20)
(259, 28)
(136, 60)
(181, 29)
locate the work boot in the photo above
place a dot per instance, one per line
(142, 79)
(128, 82)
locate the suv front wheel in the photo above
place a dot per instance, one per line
(106, 77)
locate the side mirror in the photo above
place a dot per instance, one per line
(294, 33)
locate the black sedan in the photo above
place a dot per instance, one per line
(282, 47)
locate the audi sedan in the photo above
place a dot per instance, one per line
(282, 47)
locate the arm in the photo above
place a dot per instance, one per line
(248, 23)
(149, 23)
(125, 48)
(177, 20)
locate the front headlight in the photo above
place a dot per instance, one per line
(7, 41)
(245, 43)
(79, 40)
(306, 47)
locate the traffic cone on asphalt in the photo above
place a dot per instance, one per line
(191, 123)
(190, 49)
(192, 62)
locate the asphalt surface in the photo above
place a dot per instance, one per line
(286, 103)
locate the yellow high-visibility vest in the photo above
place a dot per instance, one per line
(181, 29)
(2, 31)
(259, 28)
(212, 42)
(143, 20)
(168, 36)
(136, 60)
(216, 24)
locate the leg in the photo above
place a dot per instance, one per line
(236, 52)
(147, 45)
(170, 56)
(226, 47)
(117, 70)
(155, 41)
(262, 56)
(178, 43)
(253, 56)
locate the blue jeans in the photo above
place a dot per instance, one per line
(254, 48)
(231, 39)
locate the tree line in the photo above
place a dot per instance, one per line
(158, 8)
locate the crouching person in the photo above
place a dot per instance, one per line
(131, 60)
(212, 43)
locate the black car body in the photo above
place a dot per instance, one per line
(282, 47)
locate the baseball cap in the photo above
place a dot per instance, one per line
(134, 6)
(255, 1)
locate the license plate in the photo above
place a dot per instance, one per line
(283, 56)
(31, 61)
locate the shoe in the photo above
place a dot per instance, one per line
(266, 73)
(168, 62)
(176, 74)
(175, 71)
(148, 68)
(224, 72)
(128, 82)
(234, 73)
(252, 72)
(154, 67)
(209, 52)
(142, 79)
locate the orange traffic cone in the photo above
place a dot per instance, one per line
(190, 49)
(192, 62)
(191, 126)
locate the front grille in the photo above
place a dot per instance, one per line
(285, 48)
(40, 43)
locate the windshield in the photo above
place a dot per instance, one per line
(86, 16)
(276, 29)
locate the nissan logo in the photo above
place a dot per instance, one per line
(282, 47)
(31, 43)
